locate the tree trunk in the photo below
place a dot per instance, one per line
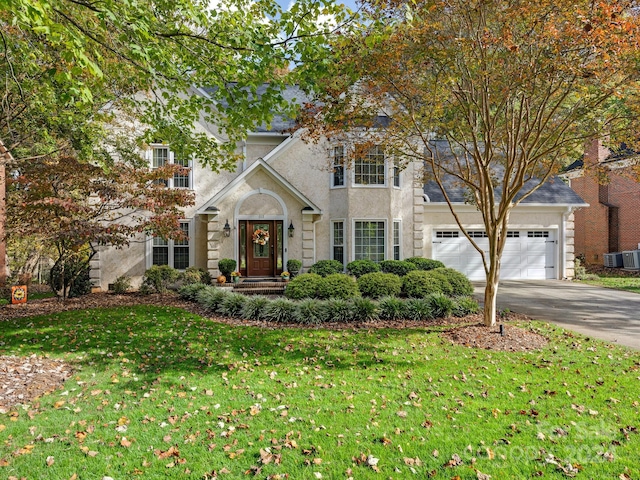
(490, 297)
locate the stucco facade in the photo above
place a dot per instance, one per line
(314, 211)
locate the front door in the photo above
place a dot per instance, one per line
(261, 246)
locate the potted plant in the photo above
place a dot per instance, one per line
(235, 277)
(294, 266)
(226, 266)
(285, 276)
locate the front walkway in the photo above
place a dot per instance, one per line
(607, 314)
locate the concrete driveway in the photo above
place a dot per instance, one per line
(603, 313)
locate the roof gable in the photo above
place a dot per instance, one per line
(259, 165)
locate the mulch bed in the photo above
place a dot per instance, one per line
(24, 379)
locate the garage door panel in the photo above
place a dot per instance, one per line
(526, 255)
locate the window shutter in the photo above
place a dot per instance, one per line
(171, 157)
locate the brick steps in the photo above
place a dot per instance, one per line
(267, 286)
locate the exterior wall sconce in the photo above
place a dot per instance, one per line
(227, 229)
(291, 229)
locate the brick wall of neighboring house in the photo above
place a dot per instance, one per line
(612, 221)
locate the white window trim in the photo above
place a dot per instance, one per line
(149, 158)
(392, 167)
(397, 221)
(332, 185)
(344, 238)
(352, 236)
(376, 185)
(171, 245)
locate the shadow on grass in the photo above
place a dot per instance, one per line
(152, 340)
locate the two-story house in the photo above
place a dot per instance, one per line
(290, 199)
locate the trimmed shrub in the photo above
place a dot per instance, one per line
(358, 268)
(364, 309)
(463, 306)
(309, 311)
(196, 275)
(399, 267)
(254, 307)
(326, 267)
(460, 284)
(159, 277)
(226, 266)
(293, 267)
(425, 263)
(337, 285)
(190, 291)
(391, 308)
(122, 284)
(303, 286)
(420, 284)
(338, 310)
(211, 297)
(443, 281)
(418, 309)
(441, 305)
(280, 310)
(378, 284)
(232, 304)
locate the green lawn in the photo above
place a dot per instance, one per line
(161, 393)
(630, 284)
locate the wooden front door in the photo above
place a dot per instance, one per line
(261, 245)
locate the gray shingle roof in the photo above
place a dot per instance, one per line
(552, 192)
(279, 123)
(555, 191)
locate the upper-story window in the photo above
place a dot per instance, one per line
(370, 169)
(337, 175)
(161, 155)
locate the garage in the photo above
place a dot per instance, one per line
(528, 254)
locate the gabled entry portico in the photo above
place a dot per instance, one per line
(258, 206)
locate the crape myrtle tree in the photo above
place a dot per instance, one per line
(492, 96)
(80, 76)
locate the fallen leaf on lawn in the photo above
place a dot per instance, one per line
(624, 476)
(172, 452)
(58, 404)
(317, 474)
(4, 462)
(50, 461)
(402, 414)
(454, 462)
(435, 453)
(73, 477)
(125, 443)
(483, 476)
(413, 461)
(254, 410)
(372, 461)
(2, 427)
(123, 421)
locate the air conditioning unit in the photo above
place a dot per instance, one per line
(631, 259)
(613, 260)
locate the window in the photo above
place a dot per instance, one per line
(337, 241)
(396, 239)
(182, 179)
(512, 234)
(368, 240)
(447, 234)
(337, 176)
(538, 234)
(176, 253)
(396, 176)
(161, 155)
(370, 169)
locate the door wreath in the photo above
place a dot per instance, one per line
(260, 236)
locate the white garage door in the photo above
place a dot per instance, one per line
(528, 254)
